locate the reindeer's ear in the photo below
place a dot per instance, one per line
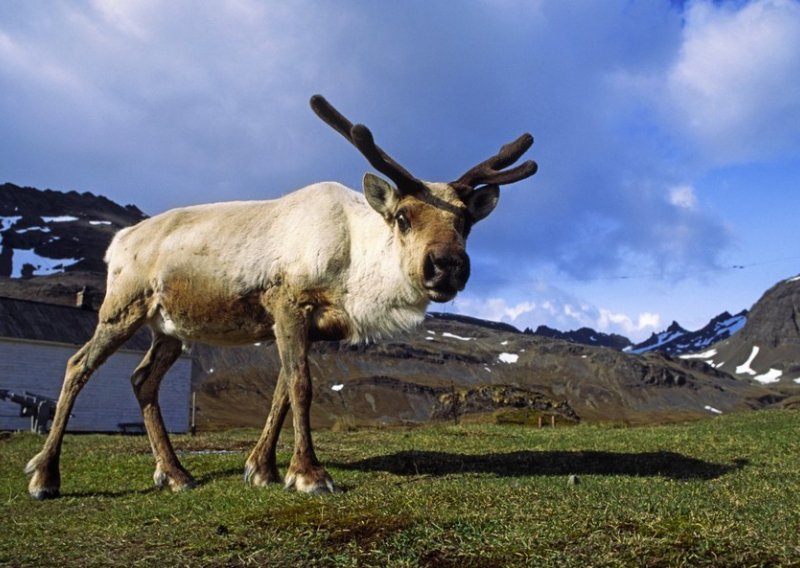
(380, 194)
(482, 201)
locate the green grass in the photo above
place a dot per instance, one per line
(721, 492)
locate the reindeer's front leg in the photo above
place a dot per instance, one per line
(262, 467)
(291, 333)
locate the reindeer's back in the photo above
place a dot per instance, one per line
(303, 227)
(224, 251)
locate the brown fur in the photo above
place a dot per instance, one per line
(207, 308)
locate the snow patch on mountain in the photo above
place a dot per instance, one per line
(42, 266)
(8, 222)
(658, 340)
(744, 368)
(454, 336)
(508, 357)
(704, 355)
(59, 219)
(771, 376)
(28, 229)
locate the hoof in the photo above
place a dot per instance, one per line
(261, 478)
(45, 482)
(45, 493)
(314, 482)
(184, 486)
(177, 483)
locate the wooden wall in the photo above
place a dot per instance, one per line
(105, 401)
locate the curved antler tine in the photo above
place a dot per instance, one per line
(518, 173)
(360, 136)
(512, 151)
(325, 110)
(489, 171)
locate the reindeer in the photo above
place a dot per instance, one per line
(321, 263)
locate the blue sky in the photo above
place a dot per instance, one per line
(667, 133)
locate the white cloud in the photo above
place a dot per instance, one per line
(683, 196)
(618, 322)
(127, 18)
(733, 88)
(559, 310)
(515, 311)
(493, 309)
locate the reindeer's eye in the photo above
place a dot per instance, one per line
(402, 222)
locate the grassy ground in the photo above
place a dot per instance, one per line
(722, 492)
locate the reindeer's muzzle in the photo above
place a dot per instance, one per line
(445, 274)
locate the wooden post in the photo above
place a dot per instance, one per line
(194, 413)
(455, 403)
(540, 422)
(553, 421)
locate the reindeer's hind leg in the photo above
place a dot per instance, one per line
(109, 335)
(261, 467)
(146, 379)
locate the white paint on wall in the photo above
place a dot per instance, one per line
(105, 401)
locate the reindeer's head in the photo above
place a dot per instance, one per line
(431, 221)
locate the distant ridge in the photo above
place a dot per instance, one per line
(676, 340)
(496, 325)
(584, 336)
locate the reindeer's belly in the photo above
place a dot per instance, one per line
(195, 309)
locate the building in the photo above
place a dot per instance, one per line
(37, 339)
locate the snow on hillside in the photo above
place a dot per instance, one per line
(454, 336)
(59, 219)
(42, 266)
(7, 222)
(508, 357)
(20, 257)
(659, 340)
(771, 376)
(745, 368)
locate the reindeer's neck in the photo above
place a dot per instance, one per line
(380, 298)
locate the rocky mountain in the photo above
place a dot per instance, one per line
(52, 243)
(767, 349)
(676, 340)
(458, 370)
(46, 232)
(584, 336)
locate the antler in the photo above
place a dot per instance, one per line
(360, 137)
(490, 171)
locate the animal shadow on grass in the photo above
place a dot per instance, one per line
(669, 465)
(202, 480)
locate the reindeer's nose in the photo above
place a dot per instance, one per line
(445, 274)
